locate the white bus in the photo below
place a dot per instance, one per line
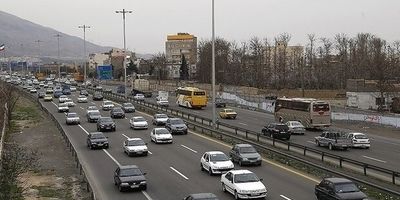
(312, 113)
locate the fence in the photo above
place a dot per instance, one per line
(3, 130)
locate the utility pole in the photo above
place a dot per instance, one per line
(58, 55)
(214, 116)
(38, 42)
(84, 27)
(123, 12)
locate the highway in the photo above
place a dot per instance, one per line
(173, 170)
(252, 120)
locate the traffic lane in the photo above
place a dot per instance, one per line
(101, 174)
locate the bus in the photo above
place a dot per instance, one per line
(191, 97)
(312, 113)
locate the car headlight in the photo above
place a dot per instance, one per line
(102, 125)
(124, 184)
(142, 182)
(244, 159)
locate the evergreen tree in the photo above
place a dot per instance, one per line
(184, 71)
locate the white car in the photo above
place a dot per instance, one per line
(138, 122)
(62, 98)
(160, 135)
(63, 107)
(91, 109)
(215, 162)
(82, 99)
(243, 184)
(107, 105)
(70, 103)
(160, 119)
(135, 146)
(72, 118)
(49, 91)
(32, 90)
(138, 97)
(73, 89)
(163, 102)
(296, 128)
(359, 140)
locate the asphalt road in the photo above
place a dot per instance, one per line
(383, 152)
(173, 170)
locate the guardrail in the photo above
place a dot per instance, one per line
(343, 162)
(82, 170)
(3, 130)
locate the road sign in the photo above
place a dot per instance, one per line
(104, 72)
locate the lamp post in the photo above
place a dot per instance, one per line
(123, 12)
(84, 27)
(39, 41)
(214, 117)
(58, 54)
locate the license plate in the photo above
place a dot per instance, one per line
(100, 144)
(134, 186)
(139, 152)
(108, 127)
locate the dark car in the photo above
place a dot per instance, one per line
(84, 92)
(117, 112)
(201, 196)
(105, 123)
(57, 94)
(97, 140)
(129, 177)
(338, 189)
(128, 107)
(121, 89)
(245, 154)
(176, 126)
(41, 94)
(219, 103)
(97, 96)
(93, 116)
(277, 131)
(66, 91)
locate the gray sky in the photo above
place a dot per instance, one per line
(237, 20)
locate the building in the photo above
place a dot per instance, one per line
(98, 59)
(114, 57)
(176, 46)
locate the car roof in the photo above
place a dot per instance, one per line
(338, 180)
(72, 113)
(157, 129)
(203, 195)
(358, 133)
(128, 167)
(96, 133)
(243, 145)
(240, 171)
(137, 117)
(215, 152)
(134, 139)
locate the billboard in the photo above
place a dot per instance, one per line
(104, 72)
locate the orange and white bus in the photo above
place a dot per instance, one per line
(191, 97)
(312, 113)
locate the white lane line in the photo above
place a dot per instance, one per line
(243, 124)
(82, 108)
(179, 173)
(146, 195)
(382, 161)
(87, 133)
(284, 197)
(112, 158)
(311, 142)
(54, 104)
(128, 138)
(188, 148)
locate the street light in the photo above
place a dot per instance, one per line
(123, 12)
(84, 27)
(214, 117)
(39, 41)
(58, 53)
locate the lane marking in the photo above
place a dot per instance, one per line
(82, 108)
(146, 145)
(188, 148)
(382, 161)
(87, 133)
(179, 173)
(146, 195)
(112, 158)
(54, 104)
(242, 124)
(285, 197)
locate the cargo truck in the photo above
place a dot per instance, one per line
(141, 86)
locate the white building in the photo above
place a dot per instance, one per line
(98, 59)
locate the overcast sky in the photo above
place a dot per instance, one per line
(239, 20)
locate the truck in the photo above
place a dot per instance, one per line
(141, 86)
(78, 77)
(162, 98)
(333, 140)
(40, 76)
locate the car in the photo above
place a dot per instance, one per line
(162, 102)
(66, 91)
(333, 140)
(33, 90)
(105, 123)
(82, 99)
(296, 128)
(93, 116)
(41, 94)
(107, 90)
(160, 135)
(63, 107)
(176, 126)
(107, 105)
(243, 184)
(62, 98)
(245, 154)
(72, 118)
(215, 162)
(48, 97)
(338, 189)
(91, 109)
(219, 103)
(73, 89)
(129, 177)
(84, 92)
(138, 97)
(70, 103)
(227, 113)
(201, 196)
(135, 146)
(276, 131)
(49, 91)
(359, 140)
(138, 122)
(97, 96)
(117, 112)
(98, 88)
(57, 94)
(160, 119)
(128, 107)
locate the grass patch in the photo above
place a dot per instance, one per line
(26, 113)
(46, 191)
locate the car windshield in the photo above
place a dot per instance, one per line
(117, 110)
(360, 137)
(296, 124)
(98, 136)
(346, 187)
(282, 127)
(82, 96)
(162, 132)
(63, 96)
(247, 150)
(72, 115)
(106, 119)
(218, 157)
(139, 119)
(130, 172)
(92, 108)
(177, 121)
(108, 103)
(128, 105)
(135, 143)
(62, 105)
(229, 110)
(94, 113)
(245, 178)
(161, 116)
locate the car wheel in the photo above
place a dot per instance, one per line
(367, 147)
(223, 187)
(240, 162)
(330, 146)
(120, 188)
(236, 195)
(210, 171)
(98, 129)
(201, 167)
(144, 187)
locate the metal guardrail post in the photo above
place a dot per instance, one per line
(394, 177)
(365, 169)
(273, 141)
(304, 151)
(322, 156)
(246, 134)
(258, 137)
(288, 146)
(340, 162)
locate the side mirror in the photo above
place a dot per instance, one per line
(144, 173)
(261, 179)
(145, 143)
